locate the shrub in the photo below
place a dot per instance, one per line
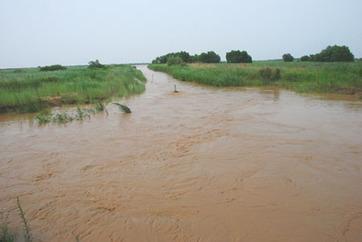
(175, 60)
(237, 56)
(269, 74)
(95, 64)
(334, 54)
(209, 57)
(305, 58)
(52, 68)
(288, 58)
(185, 56)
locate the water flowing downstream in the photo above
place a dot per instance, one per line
(204, 164)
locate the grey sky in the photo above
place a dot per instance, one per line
(40, 32)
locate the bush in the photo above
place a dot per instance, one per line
(52, 68)
(209, 57)
(175, 60)
(269, 74)
(288, 58)
(182, 54)
(237, 56)
(95, 64)
(334, 54)
(305, 58)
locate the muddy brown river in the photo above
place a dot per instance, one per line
(204, 164)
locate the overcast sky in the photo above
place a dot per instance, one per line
(41, 32)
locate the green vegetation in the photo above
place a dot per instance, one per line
(208, 57)
(345, 78)
(95, 64)
(182, 55)
(5, 234)
(269, 75)
(27, 234)
(237, 56)
(332, 54)
(288, 58)
(52, 68)
(79, 114)
(31, 90)
(305, 58)
(175, 60)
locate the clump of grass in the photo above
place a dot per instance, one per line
(6, 235)
(27, 234)
(269, 75)
(43, 117)
(100, 107)
(82, 114)
(62, 118)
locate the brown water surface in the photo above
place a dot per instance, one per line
(204, 164)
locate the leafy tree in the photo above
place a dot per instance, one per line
(95, 64)
(237, 56)
(288, 58)
(305, 58)
(334, 54)
(195, 58)
(185, 56)
(52, 68)
(209, 57)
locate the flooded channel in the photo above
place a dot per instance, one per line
(204, 164)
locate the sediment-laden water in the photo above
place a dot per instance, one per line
(204, 164)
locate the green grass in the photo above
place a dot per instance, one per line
(308, 77)
(31, 90)
(62, 117)
(6, 235)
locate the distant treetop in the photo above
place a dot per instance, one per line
(52, 68)
(331, 54)
(288, 58)
(209, 57)
(237, 56)
(95, 64)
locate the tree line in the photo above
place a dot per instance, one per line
(333, 53)
(330, 54)
(234, 56)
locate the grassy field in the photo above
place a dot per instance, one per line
(308, 77)
(30, 90)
